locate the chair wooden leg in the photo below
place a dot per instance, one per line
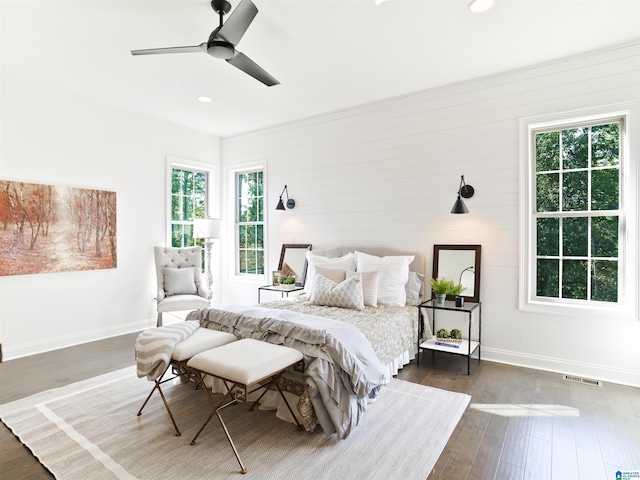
(159, 323)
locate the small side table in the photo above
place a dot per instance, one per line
(468, 346)
(283, 289)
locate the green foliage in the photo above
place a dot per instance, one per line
(578, 170)
(441, 285)
(285, 280)
(457, 289)
(442, 333)
(455, 333)
(250, 201)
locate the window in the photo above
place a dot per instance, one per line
(190, 192)
(250, 222)
(577, 227)
(188, 201)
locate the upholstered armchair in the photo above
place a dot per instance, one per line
(180, 285)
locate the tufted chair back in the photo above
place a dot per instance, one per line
(171, 257)
(179, 258)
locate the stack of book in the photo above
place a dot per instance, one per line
(448, 342)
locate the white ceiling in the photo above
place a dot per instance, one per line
(327, 54)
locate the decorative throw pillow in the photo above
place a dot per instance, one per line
(347, 294)
(413, 287)
(346, 262)
(369, 286)
(394, 273)
(333, 274)
(179, 281)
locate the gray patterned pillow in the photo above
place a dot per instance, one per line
(347, 294)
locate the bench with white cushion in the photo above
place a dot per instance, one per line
(242, 365)
(203, 339)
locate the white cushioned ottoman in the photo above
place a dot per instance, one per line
(245, 361)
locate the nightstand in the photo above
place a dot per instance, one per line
(283, 289)
(468, 346)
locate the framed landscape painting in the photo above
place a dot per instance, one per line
(46, 228)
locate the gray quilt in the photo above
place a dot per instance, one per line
(342, 370)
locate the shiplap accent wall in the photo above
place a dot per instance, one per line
(387, 173)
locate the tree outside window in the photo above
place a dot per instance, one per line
(577, 212)
(188, 202)
(250, 222)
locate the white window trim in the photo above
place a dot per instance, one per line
(627, 307)
(231, 239)
(212, 206)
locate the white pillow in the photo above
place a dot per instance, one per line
(347, 294)
(394, 274)
(179, 281)
(347, 262)
(369, 286)
(413, 287)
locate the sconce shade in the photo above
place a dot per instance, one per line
(459, 207)
(206, 228)
(290, 201)
(465, 191)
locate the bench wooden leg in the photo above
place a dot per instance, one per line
(158, 382)
(217, 413)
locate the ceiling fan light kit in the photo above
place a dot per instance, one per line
(223, 40)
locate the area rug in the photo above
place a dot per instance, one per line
(89, 430)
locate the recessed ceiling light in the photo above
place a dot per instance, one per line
(479, 6)
(204, 98)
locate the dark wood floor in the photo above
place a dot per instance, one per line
(520, 424)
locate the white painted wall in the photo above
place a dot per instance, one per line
(387, 173)
(53, 137)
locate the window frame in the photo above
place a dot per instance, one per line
(627, 305)
(233, 215)
(210, 170)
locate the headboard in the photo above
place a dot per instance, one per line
(418, 264)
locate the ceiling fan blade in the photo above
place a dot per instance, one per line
(248, 66)
(152, 51)
(233, 29)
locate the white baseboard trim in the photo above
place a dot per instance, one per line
(34, 348)
(549, 364)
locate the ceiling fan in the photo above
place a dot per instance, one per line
(223, 40)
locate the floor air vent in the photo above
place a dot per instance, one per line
(588, 381)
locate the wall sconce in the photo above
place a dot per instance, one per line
(290, 201)
(465, 191)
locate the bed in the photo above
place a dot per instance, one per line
(371, 337)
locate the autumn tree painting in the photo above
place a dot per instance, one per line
(45, 228)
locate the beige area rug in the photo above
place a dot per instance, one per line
(89, 430)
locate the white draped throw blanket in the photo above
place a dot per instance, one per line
(154, 347)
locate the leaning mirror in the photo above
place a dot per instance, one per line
(293, 261)
(460, 263)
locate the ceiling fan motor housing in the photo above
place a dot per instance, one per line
(220, 49)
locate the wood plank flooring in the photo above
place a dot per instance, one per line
(521, 423)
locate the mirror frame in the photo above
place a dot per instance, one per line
(305, 246)
(476, 284)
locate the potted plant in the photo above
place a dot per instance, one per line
(440, 288)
